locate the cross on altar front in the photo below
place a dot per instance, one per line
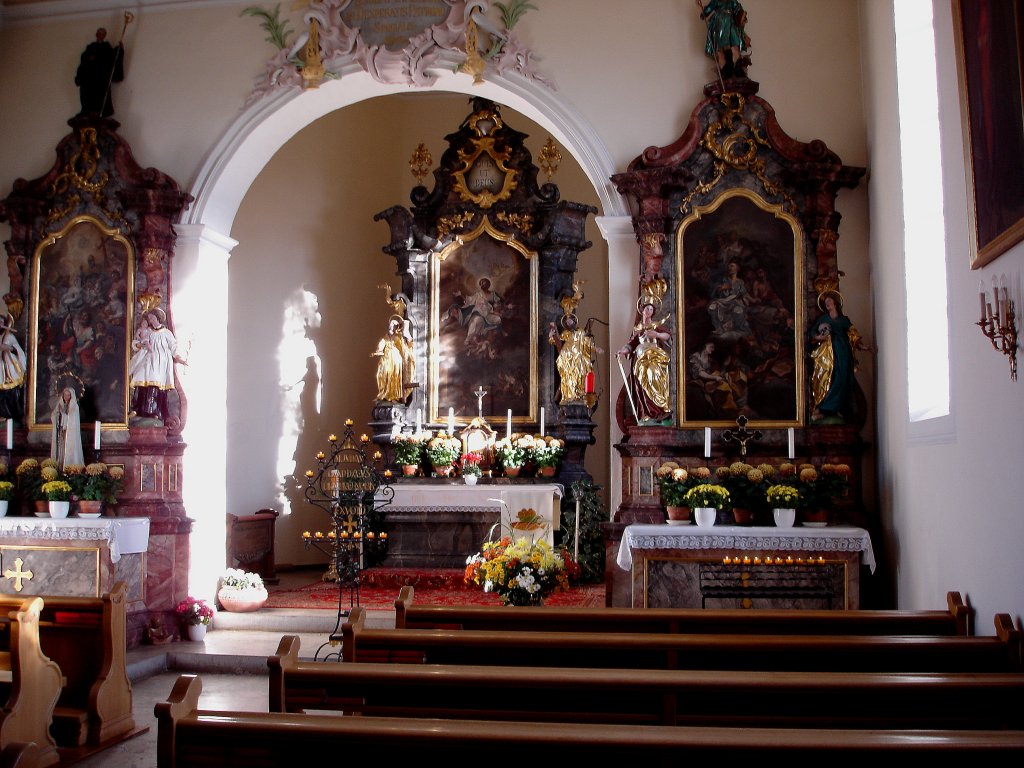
(18, 575)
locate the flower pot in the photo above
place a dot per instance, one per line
(742, 515)
(678, 515)
(42, 508)
(238, 600)
(814, 518)
(470, 479)
(410, 470)
(512, 471)
(89, 508)
(784, 518)
(547, 471)
(3, 507)
(705, 516)
(197, 632)
(59, 509)
(443, 471)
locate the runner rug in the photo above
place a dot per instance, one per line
(380, 586)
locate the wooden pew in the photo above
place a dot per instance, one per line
(20, 755)
(188, 736)
(87, 638)
(883, 653)
(956, 620)
(649, 697)
(32, 682)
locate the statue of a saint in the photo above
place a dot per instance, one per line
(726, 22)
(151, 367)
(66, 436)
(102, 64)
(832, 382)
(575, 362)
(647, 347)
(396, 368)
(12, 371)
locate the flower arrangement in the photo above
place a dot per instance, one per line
(6, 490)
(443, 449)
(471, 463)
(782, 496)
(194, 611)
(56, 490)
(746, 485)
(409, 447)
(30, 479)
(707, 495)
(547, 451)
(96, 481)
(521, 572)
(236, 578)
(673, 482)
(513, 451)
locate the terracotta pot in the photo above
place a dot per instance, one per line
(410, 470)
(512, 471)
(90, 507)
(678, 514)
(814, 516)
(742, 515)
(443, 471)
(546, 471)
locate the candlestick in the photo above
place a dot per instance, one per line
(508, 426)
(10, 434)
(792, 444)
(542, 421)
(707, 442)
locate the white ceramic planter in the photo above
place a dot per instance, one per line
(470, 479)
(784, 518)
(3, 507)
(197, 632)
(241, 600)
(705, 516)
(59, 509)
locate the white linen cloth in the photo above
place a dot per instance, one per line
(124, 535)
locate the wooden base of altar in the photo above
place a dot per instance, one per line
(662, 566)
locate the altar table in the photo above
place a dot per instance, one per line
(671, 565)
(441, 524)
(72, 556)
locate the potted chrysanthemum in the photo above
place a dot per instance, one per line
(58, 494)
(546, 454)
(409, 450)
(705, 500)
(784, 500)
(443, 450)
(6, 492)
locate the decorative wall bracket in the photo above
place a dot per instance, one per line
(1000, 326)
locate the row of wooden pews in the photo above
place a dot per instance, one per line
(65, 676)
(474, 680)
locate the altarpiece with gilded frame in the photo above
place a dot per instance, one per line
(484, 259)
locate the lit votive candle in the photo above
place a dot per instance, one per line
(384, 535)
(378, 455)
(789, 560)
(330, 534)
(746, 560)
(369, 534)
(333, 438)
(309, 473)
(320, 455)
(757, 560)
(726, 560)
(357, 535)
(344, 534)
(364, 438)
(318, 535)
(305, 534)
(387, 473)
(349, 422)
(821, 561)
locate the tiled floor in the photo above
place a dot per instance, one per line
(231, 663)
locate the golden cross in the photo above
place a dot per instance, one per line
(350, 524)
(18, 575)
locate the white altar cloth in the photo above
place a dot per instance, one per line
(748, 538)
(544, 499)
(124, 535)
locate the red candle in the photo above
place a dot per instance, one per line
(588, 385)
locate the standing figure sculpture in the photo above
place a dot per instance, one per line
(726, 20)
(102, 64)
(832, 381)
(12, 371)
(396, 368)
(151, 367)
(648, 383)
(575, 362)
(66, 435)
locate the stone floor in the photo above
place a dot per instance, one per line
(231, 663)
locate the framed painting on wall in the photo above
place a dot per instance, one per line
(80, 323)
(989, 35)
(484, 328)
(740, 309)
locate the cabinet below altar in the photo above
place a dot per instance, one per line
(768, 567)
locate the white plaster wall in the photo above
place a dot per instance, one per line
(952, 508)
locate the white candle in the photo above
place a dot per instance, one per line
(451, 421)
(542, 422)
(96, 436)
(576, 533)
(707, 442)
(508, 426)
(792, 444)
(10, 434)
(419, 420)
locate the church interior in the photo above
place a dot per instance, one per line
(249, 242)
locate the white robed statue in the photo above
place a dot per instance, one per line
(66, 437)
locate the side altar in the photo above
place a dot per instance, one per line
(440, 524)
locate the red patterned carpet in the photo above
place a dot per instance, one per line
(380, 587)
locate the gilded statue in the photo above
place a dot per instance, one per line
(648, 350)
(832, 381)
(575, 362)
(396, 368)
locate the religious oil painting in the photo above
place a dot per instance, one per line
(989, 35)
(81, 322)
(740, 305)
(484, 329)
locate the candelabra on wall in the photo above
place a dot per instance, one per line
(1000, 325)
(350, 486)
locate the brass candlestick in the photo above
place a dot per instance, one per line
(1000, 327)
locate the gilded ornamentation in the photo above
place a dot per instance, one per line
(80, 170)
(420, 162)
(447, 224)
(474, 64)
(549, 158)
(149, 300)
(653, 292)
(396, 302)
(473, 180)
(521, 221)
(313, 71)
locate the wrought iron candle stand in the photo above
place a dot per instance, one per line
(351, 488)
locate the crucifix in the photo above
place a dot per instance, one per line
(741, 435)
(480, 392)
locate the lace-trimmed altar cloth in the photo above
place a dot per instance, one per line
(124, 535)
(756, 540)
